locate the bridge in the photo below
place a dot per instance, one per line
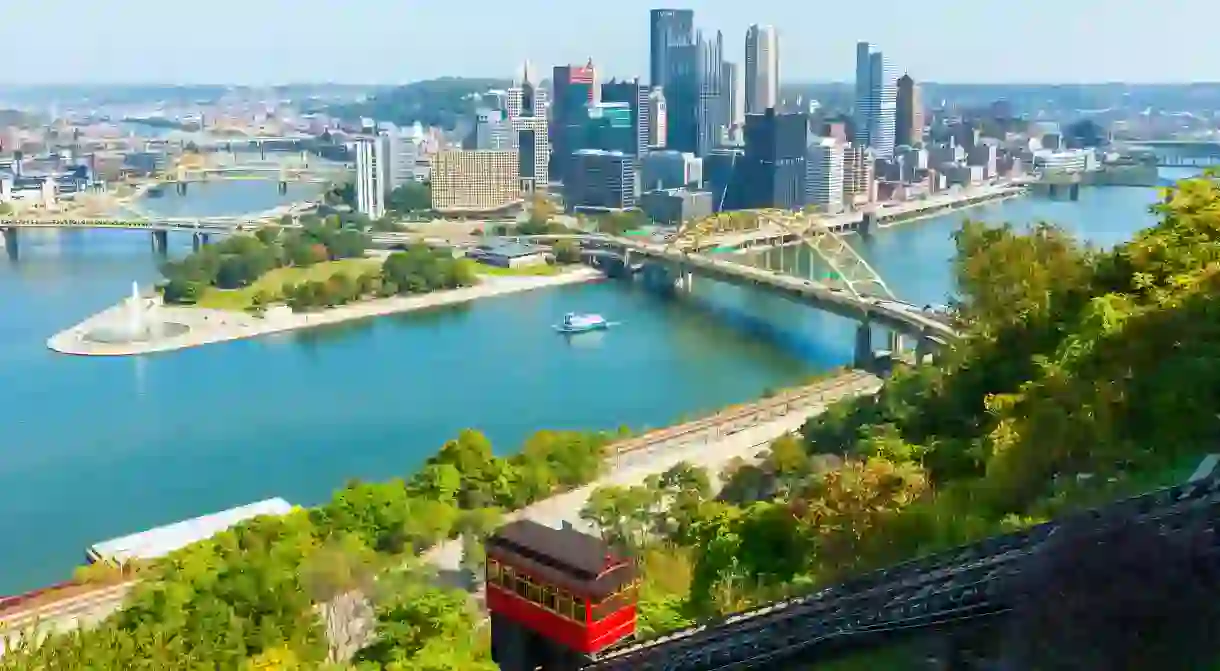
(1179, 153)
(851, 289)
(940, 593)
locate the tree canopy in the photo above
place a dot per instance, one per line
(333, 586)
(1084, 374)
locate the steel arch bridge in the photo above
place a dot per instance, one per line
(807, 229)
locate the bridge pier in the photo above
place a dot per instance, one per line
(283, 187)
(923, 348)
(198, 240)
(160, 242)
(863, 358)
(1074, 192)
(180, 188)
(867, 223)
(10, 242)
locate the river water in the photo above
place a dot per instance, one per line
(92, 448)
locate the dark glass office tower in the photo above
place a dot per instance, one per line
(773, 168)
(572, 92)
(634, 94)
(673, 67)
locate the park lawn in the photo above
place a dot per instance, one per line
(533, 270)
(273, 282)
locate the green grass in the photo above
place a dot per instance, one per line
(273, 282)
(534, 270)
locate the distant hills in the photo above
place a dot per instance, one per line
(443, 102)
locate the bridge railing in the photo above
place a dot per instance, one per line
(968, 581)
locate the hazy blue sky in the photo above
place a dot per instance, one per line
(387, 41)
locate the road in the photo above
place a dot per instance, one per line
(712, 448)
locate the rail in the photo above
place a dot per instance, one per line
(966, 582)
(832, 389)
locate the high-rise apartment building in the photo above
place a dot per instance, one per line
(824, 174)
(908, 126)
(371, 165)
(475, 180)
(711, 113)
(876, 104)
(673, 67)
(762, 69)
(732, 89)
(774, 164)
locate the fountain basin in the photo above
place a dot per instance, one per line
(121, 335)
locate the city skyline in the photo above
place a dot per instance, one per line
(247, 42)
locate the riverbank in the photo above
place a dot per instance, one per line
(965, 202)
(206, 326)
(710, 443)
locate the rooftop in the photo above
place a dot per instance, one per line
(161, 541)
(509, 248)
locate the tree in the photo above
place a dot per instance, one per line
(410, 197)
(566, 251)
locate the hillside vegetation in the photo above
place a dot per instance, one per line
(1085, 374)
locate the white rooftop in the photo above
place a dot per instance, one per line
(161, 541)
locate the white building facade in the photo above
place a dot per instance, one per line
(824, 174)
(372, 163)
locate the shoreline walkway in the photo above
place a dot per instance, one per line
(205, 326)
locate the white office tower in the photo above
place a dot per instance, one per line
(371, 160)
(824, 174)
(876, 112)
(659, 116)
(762, 69)
(405, 148)
(733, 94)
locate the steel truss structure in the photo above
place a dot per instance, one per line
(852, 272)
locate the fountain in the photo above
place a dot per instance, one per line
(135, 323)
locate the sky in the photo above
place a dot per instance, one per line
(262, 42)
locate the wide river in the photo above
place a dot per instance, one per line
(92, 448)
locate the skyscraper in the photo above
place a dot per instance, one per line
(673, 67)
(573, 87)
(371, 162)
(774, 164)
(658, 118)
(635, 95)
(527, 117)
(824, 174)
(762, 69)
(733, 92)
(876, 104)
(711, 115)
(909, 103)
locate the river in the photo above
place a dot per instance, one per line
(93, 448)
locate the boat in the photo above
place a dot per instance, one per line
(578, 323)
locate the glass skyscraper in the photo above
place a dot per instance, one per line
(876, 101)
(672, 65)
